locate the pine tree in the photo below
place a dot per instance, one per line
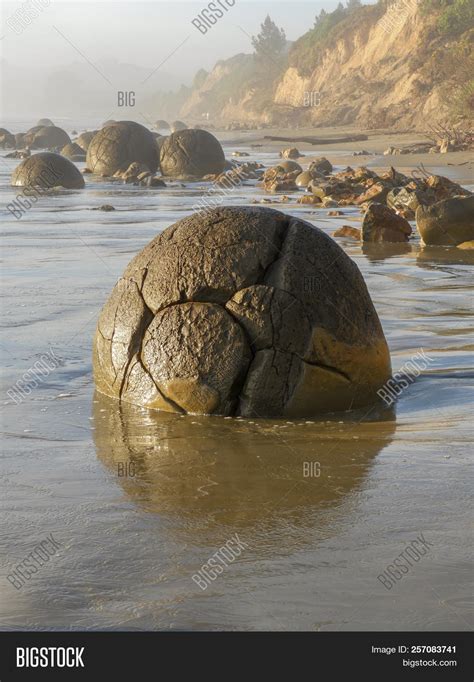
(270, 42)
(320, 17)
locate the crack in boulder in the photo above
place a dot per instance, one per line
(242, 311)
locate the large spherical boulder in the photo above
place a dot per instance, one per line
(85, 139)
(191, 153)
(118, 145)
(48, 137)
(43, 122)
(241, 311)
(47, 170)
(177, 125)
(73, 152)
(161, 124)
(449, 222)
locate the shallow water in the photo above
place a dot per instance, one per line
(315, 545)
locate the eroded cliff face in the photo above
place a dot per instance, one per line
(373, 74)
(369, 77)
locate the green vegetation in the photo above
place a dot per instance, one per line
(270, 43)
(307, 51)
(454, 16)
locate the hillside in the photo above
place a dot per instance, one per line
(404, 65)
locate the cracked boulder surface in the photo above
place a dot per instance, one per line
(47, 170)
(191, 154)
(118, 145)
(241, 311)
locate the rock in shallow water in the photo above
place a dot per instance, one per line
(191, 153)
(47, 137)
(241, 311)
(449, 222)
(47, 170)
(381, 224)
(118, 145)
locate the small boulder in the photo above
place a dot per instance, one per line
(348, 231)
(44, 123)
(290, 153)
(304, 178)
(73, 152)
(289, 166)
(85, 139)
(7, 140)
(178, 125)
(382, 224)
(321, 165)
(377, 192)
(48, 137)
(449, 222)
(20, 142)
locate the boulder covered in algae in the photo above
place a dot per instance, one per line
(47, 170)
(118, 145)
(241, 311)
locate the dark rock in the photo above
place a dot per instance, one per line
(381, 224)
(321, 165)
(449, 222)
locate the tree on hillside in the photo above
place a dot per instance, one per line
(320, 17)
(353, 4)
(270, 42)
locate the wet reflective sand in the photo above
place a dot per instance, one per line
(315, 544)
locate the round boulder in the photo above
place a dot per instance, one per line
(304, 179)
(449, 222)
(241, 311)
(48, 137)
(289, 166)
(177, 125)
(118, 145)
(20, 141)
(85, 139)
(47, 170)
(191, 153)
(321, 165)
(73, 152)
(43, 122)
(162, 125)
(7, 139)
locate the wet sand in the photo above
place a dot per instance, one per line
(458, 166)
(314, 545)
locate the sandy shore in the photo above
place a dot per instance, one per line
(458, 166)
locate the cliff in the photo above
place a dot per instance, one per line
(403, 65)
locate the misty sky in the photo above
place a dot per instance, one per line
(87, 47)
